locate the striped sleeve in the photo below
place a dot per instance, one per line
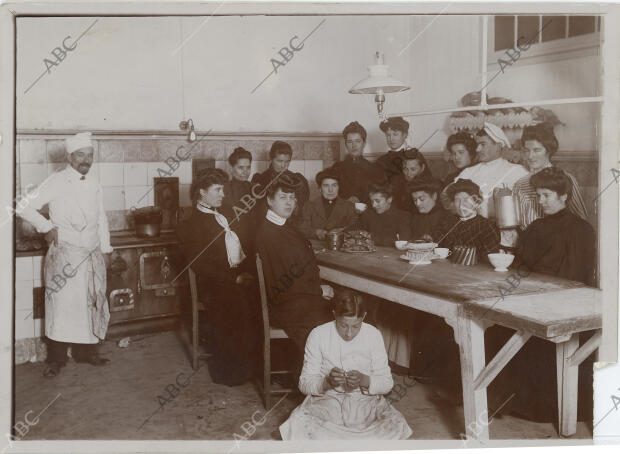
(575, 203)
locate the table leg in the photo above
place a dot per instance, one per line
(470, 337)
(568, 378)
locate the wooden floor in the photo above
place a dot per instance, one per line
(120, 401)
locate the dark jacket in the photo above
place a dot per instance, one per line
(560, 244)
(354, 177)
(343, 215)
(428, 223)
(385, 227)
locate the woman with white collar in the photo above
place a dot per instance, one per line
(212, 244)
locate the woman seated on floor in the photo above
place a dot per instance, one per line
(213, 245)
(328, 211)
(469, 228)
(424, 193)
(344, 377)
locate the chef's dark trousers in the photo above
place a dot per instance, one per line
(57, 351)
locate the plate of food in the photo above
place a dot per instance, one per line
(358, 241)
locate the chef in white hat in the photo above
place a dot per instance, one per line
(492, 171)
(76, 307)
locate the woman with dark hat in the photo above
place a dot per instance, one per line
(280, 156)
(354, 171)
(396, 130)
(213, 245)
(328, 211)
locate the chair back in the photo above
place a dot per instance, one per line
(263, 297)
(193, 288)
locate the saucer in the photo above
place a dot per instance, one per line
(405, 258)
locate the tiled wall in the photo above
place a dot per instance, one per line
(126, 165)
(28, 330)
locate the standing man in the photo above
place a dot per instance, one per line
(280, 156)
(396, 130)
(76, 307)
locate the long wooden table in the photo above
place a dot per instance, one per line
(470, 300)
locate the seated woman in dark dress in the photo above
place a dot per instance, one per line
(213, 245)
(469, 228)
(414, 166)
(424, 193)
(240, 163)
(328, 211)
(385, 222)
(298, 301)
(560, 244)
(462, 148)
(355, 172)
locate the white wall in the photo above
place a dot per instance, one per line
(123, 75)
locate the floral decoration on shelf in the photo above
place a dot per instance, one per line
(505, 118)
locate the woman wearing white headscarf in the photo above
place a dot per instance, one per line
(212, 244)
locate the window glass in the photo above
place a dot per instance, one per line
(528, 27)
(580, 25)
(554, 28)
(504, 32)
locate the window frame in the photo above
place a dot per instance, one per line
(558, 49)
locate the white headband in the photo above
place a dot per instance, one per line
(496, 133)
(80, 140)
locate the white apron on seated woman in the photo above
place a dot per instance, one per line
(345, 375)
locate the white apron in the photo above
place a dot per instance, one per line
(76, 310)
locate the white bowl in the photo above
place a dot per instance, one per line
(501, 262)
(442, 252)
(400, 245)
(360, 206)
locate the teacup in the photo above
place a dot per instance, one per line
(360, 206)
(442, 252)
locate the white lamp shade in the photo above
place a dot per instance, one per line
(378, 81)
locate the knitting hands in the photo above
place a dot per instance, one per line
(336, 377)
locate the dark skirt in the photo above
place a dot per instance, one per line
(235, 324)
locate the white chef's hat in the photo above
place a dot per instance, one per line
(496, 133)
(80, 140)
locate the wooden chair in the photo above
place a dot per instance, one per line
(269, 333)
(197, 306)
